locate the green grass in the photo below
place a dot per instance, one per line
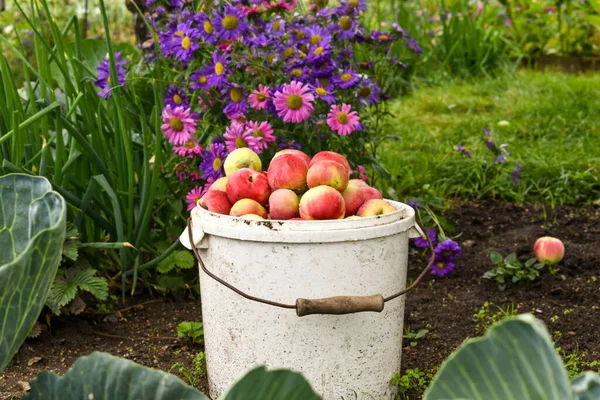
(554, 132)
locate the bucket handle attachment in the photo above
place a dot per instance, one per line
(337, 305)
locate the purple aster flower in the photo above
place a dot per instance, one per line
(182, 43)
(103, 81)
(346, 79)
(298, 72)
(367, 93)
(324, 93)
(175, 97)
(276, 27)
(206, 28)
(448, 250)
(213, 159)
(180, 3)
(346, 27)
(487, 132)
(502, 156)
(289, 144)
(422, 242)
(316, 35)
(354, 6)
(318, 53)
(382, 37)
(414, 204)
(200, 79)
(463, 150)
(442, 267)
(219, 70)
(412, 44)
(237, 101)
(516, 173)
(324, 69)
(230, 24)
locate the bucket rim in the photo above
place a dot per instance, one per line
(305, 231)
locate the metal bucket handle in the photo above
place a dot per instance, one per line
(330, 305)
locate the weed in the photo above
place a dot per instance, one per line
(592, 280)
(554, 319)
(414, 337)
(192, 330)
(412, 382)
(510, 269)
(192, 375)
(486, 318)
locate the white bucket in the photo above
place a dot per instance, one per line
(282, 261)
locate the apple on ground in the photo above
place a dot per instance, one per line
(284, 204)
(288, 172)
(371, 193)
(322, 202)
(374, 207)
(247, 183)
(549, 250)
(327, 172)
(215, 201)
(294, 152)
(219, 184)
(353, 197)
(248, 206)
(332, 156)
(241, 158)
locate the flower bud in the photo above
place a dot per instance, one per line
(549, 250)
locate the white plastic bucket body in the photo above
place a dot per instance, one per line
(340, 355)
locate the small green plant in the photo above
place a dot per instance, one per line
(510, 269)
(413, 382)
(109, 305)
(192, 375)
(192, 330)
(171, 270)
(68, 283)
(486, 317)
(414, 337)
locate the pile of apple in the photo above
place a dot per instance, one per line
(295, 187)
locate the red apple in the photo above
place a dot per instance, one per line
(248, 206)
(215, 201)
(374, 207)
(359, 182)
(219, 184)
(322, 202)
(294, 152)
(283, 204)
(247, 183)
(327, 172)
(371, 193)
(330, 155)
(549, 250)
(288, 172)
(353, 197)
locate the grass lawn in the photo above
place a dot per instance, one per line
(553, 130)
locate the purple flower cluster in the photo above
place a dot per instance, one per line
(446, 253)
(103, 81)
(264, 73)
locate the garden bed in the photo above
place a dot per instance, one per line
(445, 307)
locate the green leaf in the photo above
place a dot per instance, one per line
(512, 257)
(87, 280)
(70, 249)
(260, 384)
(595, 4)
(594, 20)
(515, 359)
(171, 281)
(180, 259)
(496, 257)
(101, 376)
(586, 386)
(32, 231)
(62, 292)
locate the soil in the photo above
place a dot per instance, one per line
(568, 302)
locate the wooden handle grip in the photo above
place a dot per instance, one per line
(339, 305)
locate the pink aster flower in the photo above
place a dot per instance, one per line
(237, 137)
(179, 124)
(194, 195)
(181, 171)
(294, 102)
(343, 121)
(238, 120)
(258, 98)
(262, 131)
(190, 148)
